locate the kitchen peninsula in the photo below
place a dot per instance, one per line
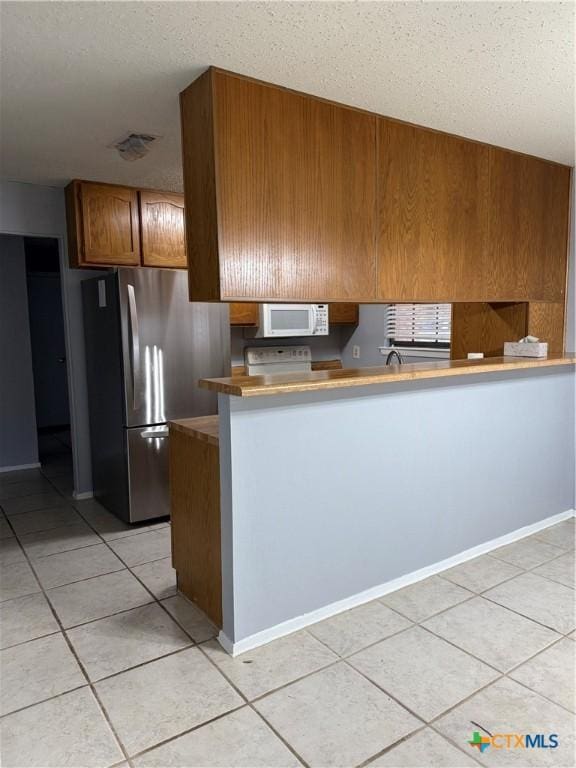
(336, 487)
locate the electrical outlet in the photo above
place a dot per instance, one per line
(356, 351)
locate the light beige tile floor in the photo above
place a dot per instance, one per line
(159, 577)
(481, 573)
(551, 673)
(527, 553)
(188, 691)
(104, 664)
(491, 633)
(508, 707)
(423, 671)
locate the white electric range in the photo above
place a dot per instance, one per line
(270, 360)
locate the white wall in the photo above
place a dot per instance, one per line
(18, 437)
(29, 209)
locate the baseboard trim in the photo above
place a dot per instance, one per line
(83, 496)
(18, 467)
(300, 622)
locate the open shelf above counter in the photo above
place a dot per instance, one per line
(257, 386)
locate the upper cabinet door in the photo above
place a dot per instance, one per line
(528, 227)
(285, 207)
(109, 217)
(162, 227)
(343, 314)
(244, 313)
(432, 214)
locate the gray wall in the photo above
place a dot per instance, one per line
(326, 495)
(18, 438)
(29, 209)
(369, 335)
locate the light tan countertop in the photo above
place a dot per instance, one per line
(283, 384)
(202, 428)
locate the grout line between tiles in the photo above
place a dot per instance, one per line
(538, 693)
(87, 578)
(250, 702)
(63, 552)
(108, 615)
(453, 742)
(196, 727)
(31, 640)
(540, 623)
(432, 615)
(507, 579)
(42, 701)
(364, 647)
(140, 664)
(44, 508)
(370, 760)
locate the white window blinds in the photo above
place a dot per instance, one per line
(418, 324)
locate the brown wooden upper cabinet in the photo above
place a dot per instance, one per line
(110, 225)
(244, 313)
(464, 221)
(103, 224)
(290, 197)
(162, 227)
(345, 313)
(432, 211)
(280, 193)
(528, 227)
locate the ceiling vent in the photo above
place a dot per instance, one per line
(134, 146)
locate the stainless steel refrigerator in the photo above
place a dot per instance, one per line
(146, 348)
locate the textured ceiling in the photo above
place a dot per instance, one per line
(77, 76)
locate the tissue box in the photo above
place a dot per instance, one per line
(526, 349)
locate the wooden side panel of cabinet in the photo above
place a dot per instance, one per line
(528, 227)
(195, 515)
(296, 194)
(201, 211)
(244, 313)
(483, 327)
(432, 214)
(546, 321)
(343, 313)
(107, 225)
(162, 229)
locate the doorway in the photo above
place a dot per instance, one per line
(48, 347)
(34, 405)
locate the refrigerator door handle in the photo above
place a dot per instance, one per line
(134, 347)
(155, 432)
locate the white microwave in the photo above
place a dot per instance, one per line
(284, 320)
